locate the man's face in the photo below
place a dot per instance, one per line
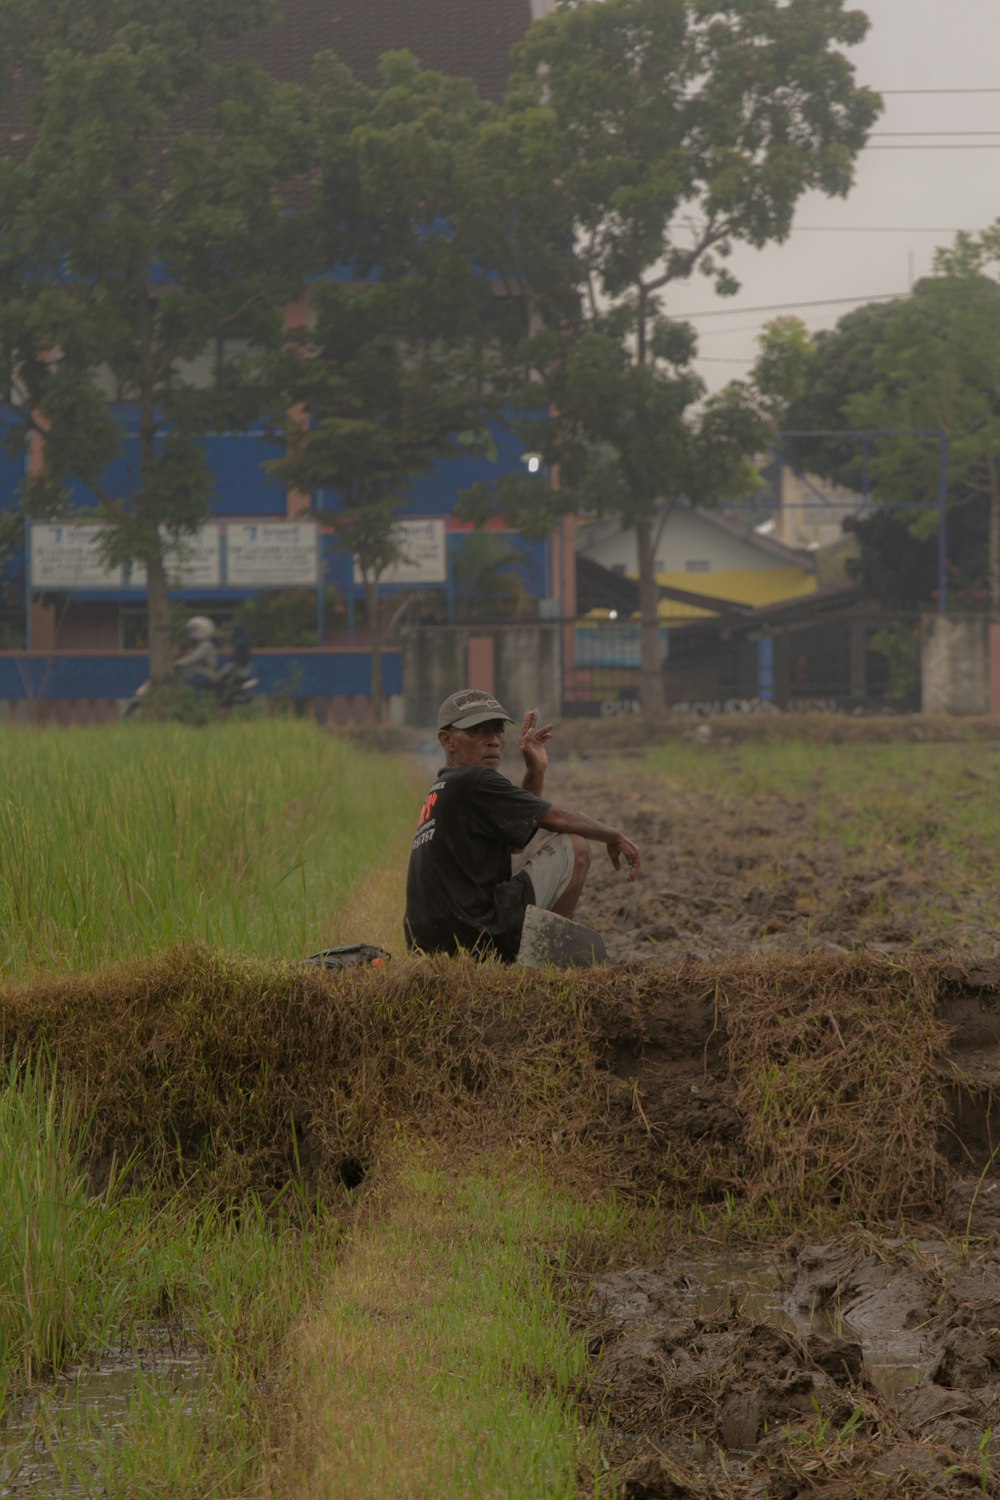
(482, 745)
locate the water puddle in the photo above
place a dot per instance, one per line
(894, 1360)
(54, 1444)
(886, 1314)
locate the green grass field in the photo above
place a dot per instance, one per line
(115, 842)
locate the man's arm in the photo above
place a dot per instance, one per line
(532, 742)
(565, 820)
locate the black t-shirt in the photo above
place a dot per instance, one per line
(459, 891)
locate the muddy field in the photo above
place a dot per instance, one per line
(729, 876)
(866, 1367)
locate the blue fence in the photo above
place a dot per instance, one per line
(304, 673)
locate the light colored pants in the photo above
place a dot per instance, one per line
(549, 860)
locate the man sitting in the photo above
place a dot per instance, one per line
(463, 890)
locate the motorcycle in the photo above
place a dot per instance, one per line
(235, 688)
(230, 686)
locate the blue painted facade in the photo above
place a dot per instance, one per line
(245, 488)
(243, 485)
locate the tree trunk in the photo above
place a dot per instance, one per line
(375, 632)
(650, 673)
(994, 540)
(161, 656)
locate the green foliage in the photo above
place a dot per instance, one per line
(389, 368)
(641, 140)
(929, 362)
(783, 365)
(486, 587)
(900, 645)
(287, 617)
(125, 261)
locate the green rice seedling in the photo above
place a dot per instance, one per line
(60, 1245)
(440, 1362)
(230, 1285)
(116, 842)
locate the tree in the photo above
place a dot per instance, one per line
(134, 244)
(782, 367)
(389, 368)
(929, 362)
(641, 140)
(487, 585)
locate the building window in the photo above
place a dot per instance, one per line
(697, 565)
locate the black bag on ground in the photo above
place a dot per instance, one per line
(351, 956)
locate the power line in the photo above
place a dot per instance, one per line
(884, 134)
(881, 229)
(727, 312)
(932, 146)
(715, 333)
(938, 91)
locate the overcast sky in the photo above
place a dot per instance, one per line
(904, 202)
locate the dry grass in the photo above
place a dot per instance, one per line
(238, 1075)
(837, 1072)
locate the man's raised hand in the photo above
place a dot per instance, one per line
(532, 741)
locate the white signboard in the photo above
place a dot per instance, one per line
(424, 546)
(193, 563)
(263, 554)
(67, 557)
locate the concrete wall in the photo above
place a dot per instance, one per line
(955, 664)
(521, 664)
